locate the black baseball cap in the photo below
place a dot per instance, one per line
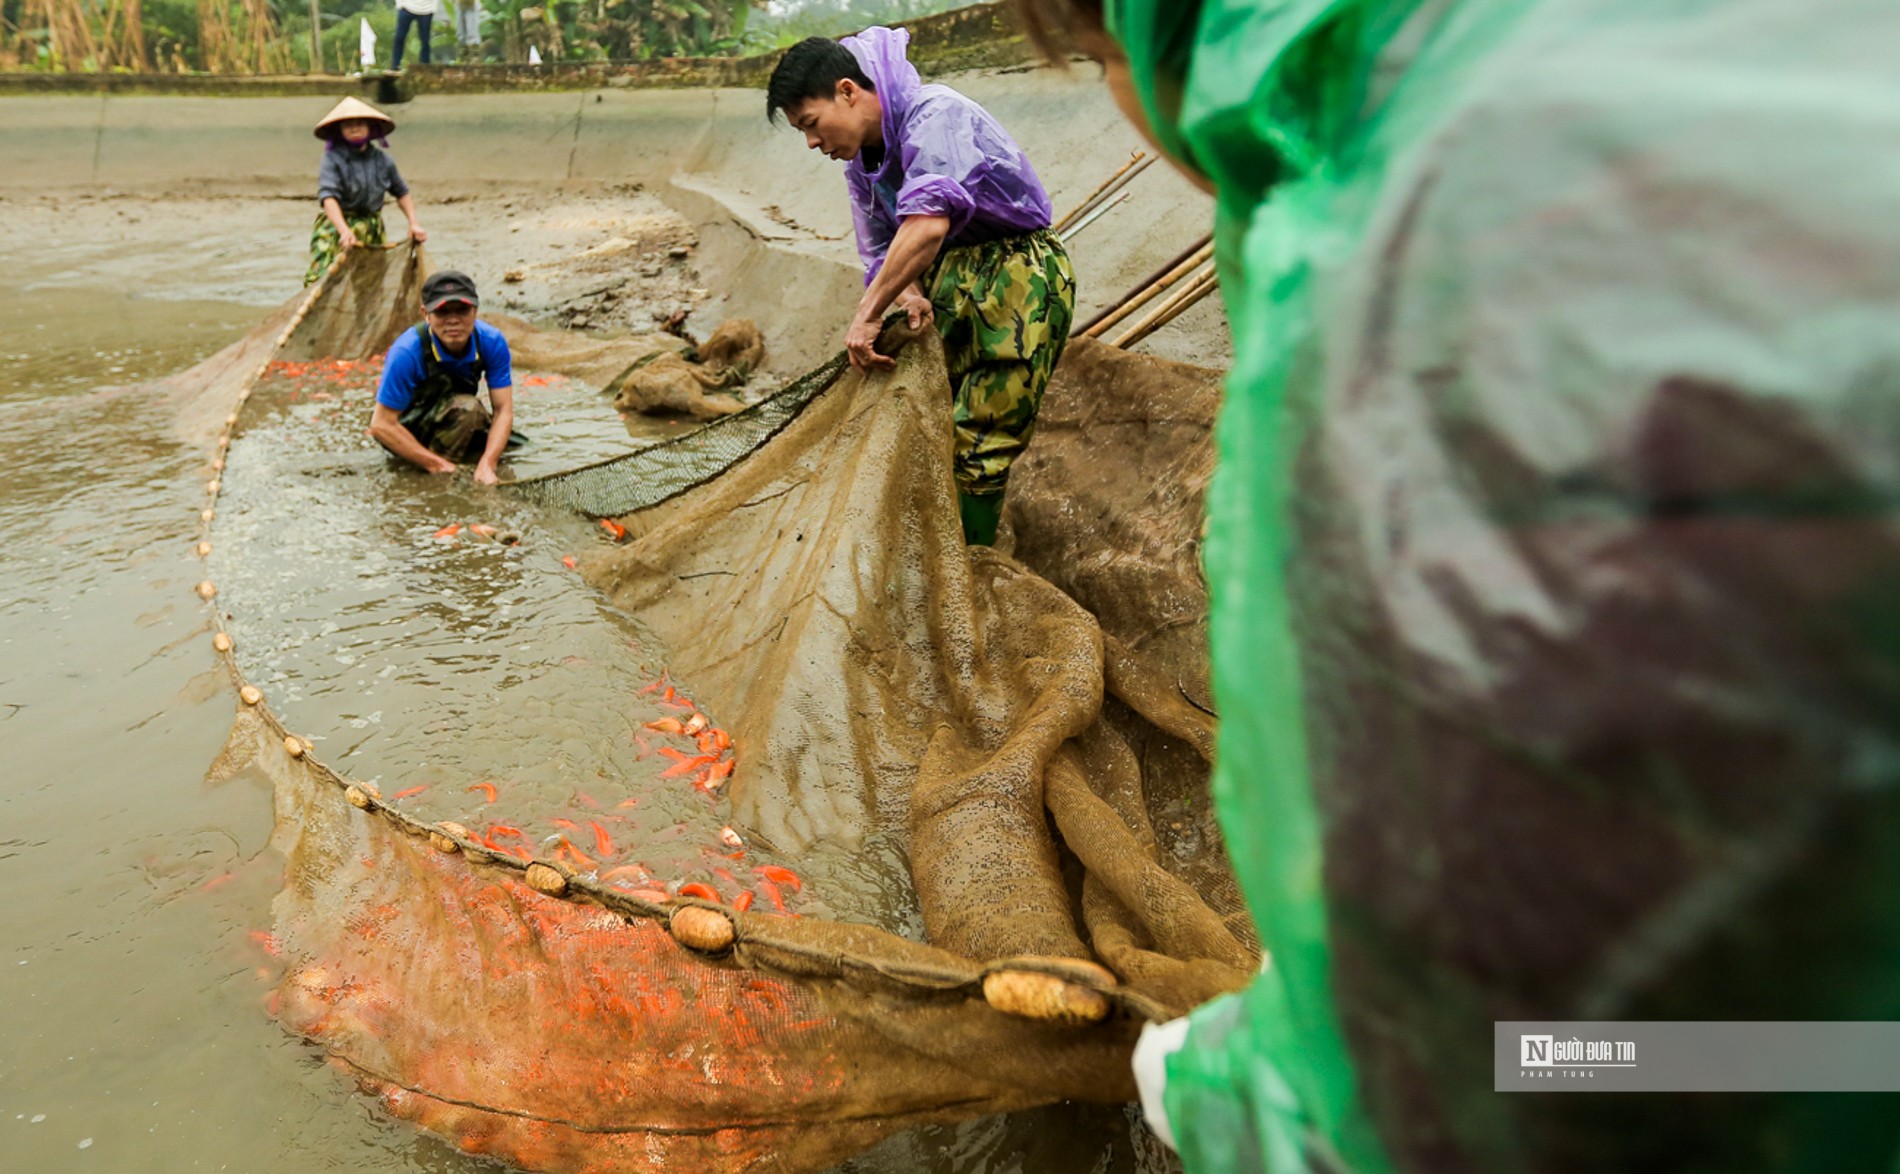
(445, 286)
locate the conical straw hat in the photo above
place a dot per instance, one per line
(350, 108)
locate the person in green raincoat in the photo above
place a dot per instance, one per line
(1551, 546)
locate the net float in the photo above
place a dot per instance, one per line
(1028, 995)
(545, 878)
(699, 928)
(222, 642)
(211, 487)
(447, 836)
(204, 548)
(292, 746)
(206, 589)
(251, 694)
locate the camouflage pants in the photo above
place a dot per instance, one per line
(326, 245)
(1003, 308)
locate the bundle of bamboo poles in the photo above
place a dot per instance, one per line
(1172, 289)
(88, 34)
(240, 36)
(1103, 198)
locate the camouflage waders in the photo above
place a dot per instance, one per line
(1003, 308)
(326, 245)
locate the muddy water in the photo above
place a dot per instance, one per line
(132, 1034)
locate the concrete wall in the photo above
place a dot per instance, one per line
(775, 230)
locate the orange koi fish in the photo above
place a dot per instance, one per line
(449, 531)
(695, 724)
(633, 802)
(217, 882)
(646, 747)
(675, 755)
(508, 830)
(487, 790)
(614, 529)
(581, 859)
(703, 892)
(412, 792)
(744, 901)
(586, 800)
(656, 686)
(483, 529)
(657, 896)
(731, 839)
(267, 942)
(666, 725)
(772, 894)
(569, 824)
(783, 876)
(603, 843)
(686, 766)
(569, 561)
(707, 743)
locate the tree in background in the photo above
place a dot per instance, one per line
(272, 36)
(788, 21)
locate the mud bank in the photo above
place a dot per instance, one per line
(763, 219)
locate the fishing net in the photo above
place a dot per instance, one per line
(1027, 782)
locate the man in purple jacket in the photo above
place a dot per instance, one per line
(953, 226)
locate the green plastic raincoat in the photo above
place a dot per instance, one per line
(1554, 547)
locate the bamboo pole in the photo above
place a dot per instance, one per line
(1141, 287)
(1187, 270)
(1169, 310)
(1070, 233)
(1114, 183)
(1063, 223)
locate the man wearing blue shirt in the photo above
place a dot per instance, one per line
(427, 408)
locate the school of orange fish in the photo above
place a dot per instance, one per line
(696, 751)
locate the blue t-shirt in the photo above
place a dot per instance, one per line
(486, 358)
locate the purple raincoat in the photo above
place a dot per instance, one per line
(943, 156)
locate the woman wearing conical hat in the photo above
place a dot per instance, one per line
(351, 184)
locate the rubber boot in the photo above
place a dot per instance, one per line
(981, 514)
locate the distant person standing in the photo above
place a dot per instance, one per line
(420, 13)
(352, 182)
(468, 30)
